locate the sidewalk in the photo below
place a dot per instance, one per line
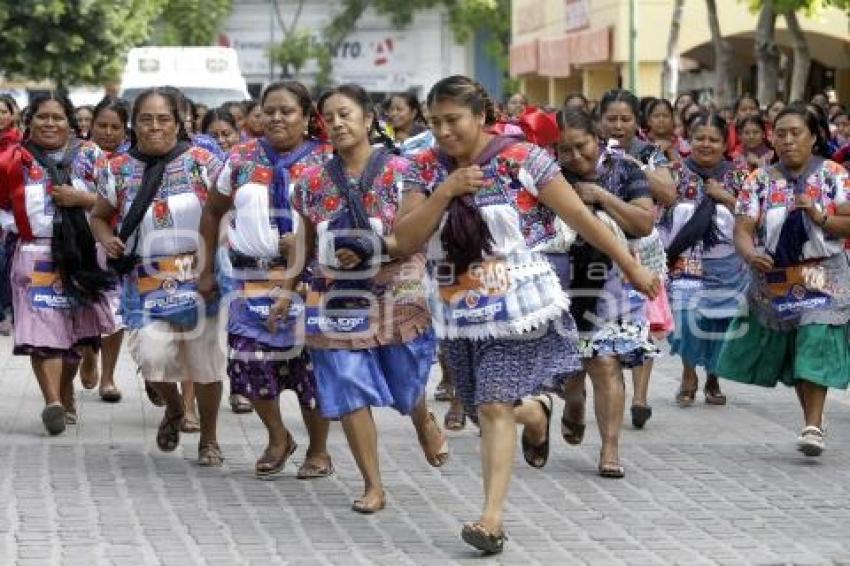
(707, 485)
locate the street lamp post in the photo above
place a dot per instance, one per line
(633, 46)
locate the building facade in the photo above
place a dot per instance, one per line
(563, 46)
(375, 55)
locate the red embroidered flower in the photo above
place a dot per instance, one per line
(777, 197)
(428, 175)
(691, 192)
(331, 203)
(295, 171)
(261, 175)
(369, 199)
(502, 169)
(315, 183)
(388, 177)
(814, 192)
(160, 209)
(35, 173)
(525, 201)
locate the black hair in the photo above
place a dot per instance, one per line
(230, 104)
(117, 105)
(652, 105)
(412, 102)
(575, 119)
(574, 95)
(315, 127)
(755, 120)
(620, 95)
(842, 111)
(220, 114)
(710, 120)
(39, 99)
(814, 119)
(249, 105)
(175, 100)
(743, 97)
(359, 96)
(467, 92)
(10, 102)
(84, 107)
(682, 95)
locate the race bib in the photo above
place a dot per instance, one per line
(796, 289)
(479, 295)
(45, 288)
(261, 294)
(168, 286)
(336, 313)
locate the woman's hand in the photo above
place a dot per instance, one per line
(760, 262)
(113, 247)
(347, 259)
(644, 281)
(66, 196)
(278, 311)
(462, 181)
(714, 189)
(207, 286)
(589, 193)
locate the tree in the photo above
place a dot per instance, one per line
(767, 54)
(724, 84)
(802, 58)
(191, 22)
(670, 72)
(71, 42)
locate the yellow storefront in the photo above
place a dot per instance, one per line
(563, 46)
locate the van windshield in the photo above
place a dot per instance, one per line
(212, 97)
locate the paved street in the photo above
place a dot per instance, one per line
(706, 485)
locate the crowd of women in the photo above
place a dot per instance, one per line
(336, 249)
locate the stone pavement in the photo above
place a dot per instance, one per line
(707, 485)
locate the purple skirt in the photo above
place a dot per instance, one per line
(504, 370)
(45, 325)
(259, 372)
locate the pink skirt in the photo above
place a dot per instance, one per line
(43, 317)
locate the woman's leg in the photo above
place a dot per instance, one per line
(190, 414)
(813, 400)
(498, 444)
(66, 389)
(609, 399)
(209, 401)
(88, 368)
(434, 443)
(110, 349)
(317, 457)
(640, 382)
(280, 440)
(688, 387)
(362, 436)
(48, 373)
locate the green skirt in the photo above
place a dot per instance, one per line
(755, 354)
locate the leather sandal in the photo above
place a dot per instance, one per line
(443, 392)
(240, 405)
(455, 419)
(168, 434)
(686, 397)
(613, 470)
(268, 465)
(713, 395)
(477, 536)
(209, 454)
(537, 456)
(310, 470)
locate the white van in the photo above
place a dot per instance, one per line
(207, 75)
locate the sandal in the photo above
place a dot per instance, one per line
(455, 419)
(240, 405)
(209, 454)
(640, 415)
(443, 392)
(153, 395)
(168, 434)
(476, 535)
(71, 417)
(189, 424)
(713, 395)
(268, 465)
(311, 470)
(53, 418)
(686, 397)
(537, 456)
(110, 394)
(611, 470)
(811, 441)
(442, 455)
(360, 506)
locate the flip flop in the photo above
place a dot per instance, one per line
(612, 470)
(209, 455)
(240, 405)
(53, 418)
(168, 433)
(310, 470)
(476, 535)
(537, 456)
(455, 419)
(360, 507)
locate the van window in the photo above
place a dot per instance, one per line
(212, 97)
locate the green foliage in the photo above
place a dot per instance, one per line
(293, 53)
(191, 22)
(80, 42)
